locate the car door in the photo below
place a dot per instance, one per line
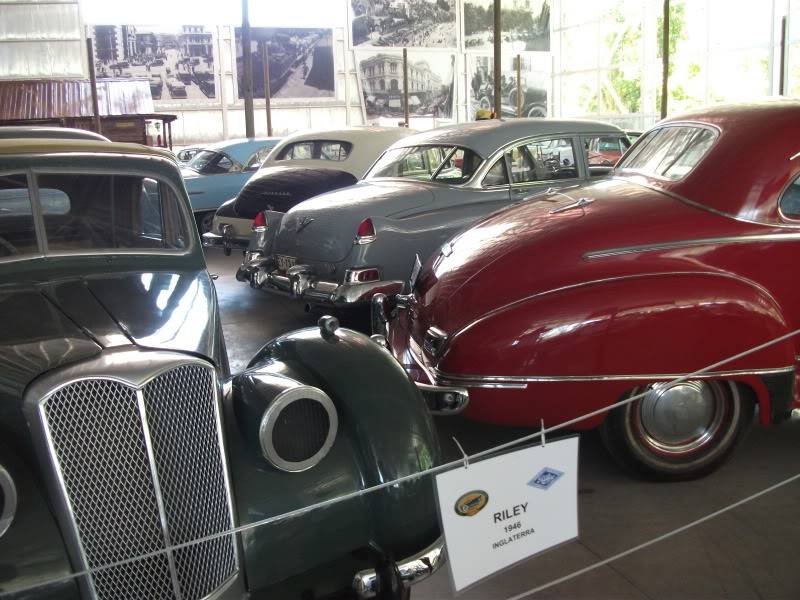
(542, 163)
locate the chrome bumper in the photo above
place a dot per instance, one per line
(300, 282)
(412, 570)
(226, 241)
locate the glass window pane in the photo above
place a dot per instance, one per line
(334, 150)
(603, 152)
(497, 174)
(670, 152)
(553, 159)
(790, 201)
(17, 230)
(106, 212)
(459, 167)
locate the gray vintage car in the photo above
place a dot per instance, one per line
(343, 247)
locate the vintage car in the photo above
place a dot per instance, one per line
(35, 131)
(128, 451)
(606, 151)
(185, 156)
(570, 302)
(218, 171)
(342, 247)
(301, 166)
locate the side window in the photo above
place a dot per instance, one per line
(521, 167)
(224, 164)
(603, 152)
(790, 201)
(17, 230)
(258, 158)
(497, 174)
(107, 212)
(553, 159)
(298, 151)
(337, 151)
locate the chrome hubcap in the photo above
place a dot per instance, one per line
(677, 418)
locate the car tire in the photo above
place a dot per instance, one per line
(537, 111)
(205, 221)
(680, 430)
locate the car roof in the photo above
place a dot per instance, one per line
(350, 134)
(484, 137)
(240, 149)
(69, 146)
(32, 131)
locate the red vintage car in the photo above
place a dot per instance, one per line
(573, 300)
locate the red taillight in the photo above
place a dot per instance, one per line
(259, 223)
(366, 232)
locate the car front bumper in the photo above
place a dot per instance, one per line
(412, 570)
(301, 283)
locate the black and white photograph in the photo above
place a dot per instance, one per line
(300, 62)
(524, 22)
(534, 80)
(430, 84)
(404, 23)
(178, 60)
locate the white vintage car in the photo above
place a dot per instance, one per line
(301, 166)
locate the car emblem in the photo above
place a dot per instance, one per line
(471, 503)
(304, 222)
(545, 478)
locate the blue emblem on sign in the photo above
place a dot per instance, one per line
(545, 478)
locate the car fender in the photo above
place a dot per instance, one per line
(384, 433)
(658, 326)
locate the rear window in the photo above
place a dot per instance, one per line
(669, 152)
(447, 164)
(334, 150)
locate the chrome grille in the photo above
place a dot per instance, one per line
(142, 470)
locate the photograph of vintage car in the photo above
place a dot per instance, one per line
(526, 24)
(131, 448)
(534, 78)
(572, 301)
(410, 23)
(301, 166)
(340, 248)
(218, 171)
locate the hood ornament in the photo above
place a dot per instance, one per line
(304, 222)
(579, 203)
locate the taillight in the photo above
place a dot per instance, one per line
(259, 223)
(362, 275)
(366, 232)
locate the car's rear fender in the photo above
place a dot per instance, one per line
(653, 325)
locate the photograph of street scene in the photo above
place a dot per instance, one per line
(534, 76)
(404, 23)
(300, 62)
(526, 23)
(430, 84)
(178, 60)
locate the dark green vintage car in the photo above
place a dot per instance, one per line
(128, 452)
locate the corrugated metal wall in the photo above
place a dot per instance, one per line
(41, 38)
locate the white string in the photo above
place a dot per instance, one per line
(655, 540)
(406, 478)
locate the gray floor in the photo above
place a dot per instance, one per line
(752, 551)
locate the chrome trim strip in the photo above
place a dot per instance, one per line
(523, 380)
(742, 239)
(223, 452)
(162, 513)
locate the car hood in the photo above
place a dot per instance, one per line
(324, 227)
(44, 326)
(541, 245)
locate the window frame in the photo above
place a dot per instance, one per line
(452, 148)
(32, 174)
(794, 221)
(499, 160)
(580, 165)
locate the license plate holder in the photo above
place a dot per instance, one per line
(285, 262)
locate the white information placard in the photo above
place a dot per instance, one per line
(503, 509)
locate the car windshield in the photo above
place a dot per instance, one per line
(209, 162)
(446, 164)
(669, 152)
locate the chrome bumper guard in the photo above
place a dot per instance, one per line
(300, 282)
(441, 399)
(412, 570)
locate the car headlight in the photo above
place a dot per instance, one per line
(298, 428)
(8, 500)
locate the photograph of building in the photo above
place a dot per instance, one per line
(524, 21)
(300, 62)
(534, 76)
(404, 23)
(178, 61)
(430, 84)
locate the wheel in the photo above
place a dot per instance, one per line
(205, 221)
(537, 112)
(679, 430)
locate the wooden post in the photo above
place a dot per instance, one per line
(519, 86)
(498, 59)
(405, 86)
(665, 61)
(247, 76)
(782, 73)
(169, 136)
(93, 82)
(267, 92)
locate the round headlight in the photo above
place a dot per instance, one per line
(8, 500)
(298, 429)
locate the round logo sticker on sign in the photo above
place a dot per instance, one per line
(471, 503)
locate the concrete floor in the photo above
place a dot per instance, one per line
(751, 552)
